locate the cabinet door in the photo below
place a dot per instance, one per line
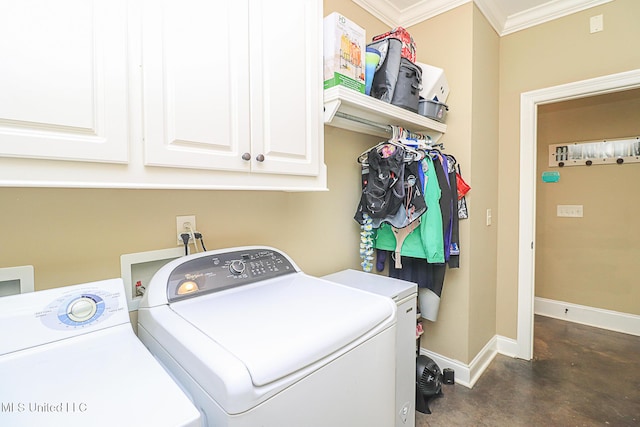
(286, 87)
(196, 84)
(63, 80)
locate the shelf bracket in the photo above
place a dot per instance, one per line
(330, 109)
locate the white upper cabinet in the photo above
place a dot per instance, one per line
(233, 85)
(183, 94)
(61, 81)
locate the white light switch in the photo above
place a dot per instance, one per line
(488, 217)
(572, 211)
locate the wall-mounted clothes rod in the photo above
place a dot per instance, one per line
(386, 128)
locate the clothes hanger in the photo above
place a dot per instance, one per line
(411, 154)
(364, 156)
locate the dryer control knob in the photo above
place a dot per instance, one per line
(236, 267)
(82, 309)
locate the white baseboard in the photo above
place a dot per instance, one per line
(597, 317)
(462, 371)
(467, 375)
(507, 346)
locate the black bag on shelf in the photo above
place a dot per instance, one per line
(407, 91)
(386, 75)
(397, 80)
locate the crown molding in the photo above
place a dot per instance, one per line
(494, 14)
(391, 15)
(383, 10)
(427, 9)
(545, 13)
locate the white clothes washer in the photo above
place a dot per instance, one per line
(404, 294)
(69, 357)
(256, 342)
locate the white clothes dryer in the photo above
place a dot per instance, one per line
(69, 357)
(256, 342)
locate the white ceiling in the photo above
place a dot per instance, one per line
(506, 16)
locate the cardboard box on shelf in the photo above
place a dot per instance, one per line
(344, 53)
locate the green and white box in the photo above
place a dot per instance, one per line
(344, 53)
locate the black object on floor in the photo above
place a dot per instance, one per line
(449, 376)
(428, 383)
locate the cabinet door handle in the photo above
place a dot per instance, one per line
(246, 156)
(260, 157)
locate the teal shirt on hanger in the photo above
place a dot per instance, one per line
(427, 241)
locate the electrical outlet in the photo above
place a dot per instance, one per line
(572, 211)
(184, 224)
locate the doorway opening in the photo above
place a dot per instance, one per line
(529, 102)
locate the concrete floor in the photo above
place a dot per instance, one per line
(580, 376)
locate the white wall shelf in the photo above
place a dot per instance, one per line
(342, 105)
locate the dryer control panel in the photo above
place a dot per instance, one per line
(216, 271)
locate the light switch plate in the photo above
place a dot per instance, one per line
(596, 24)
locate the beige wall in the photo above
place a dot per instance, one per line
(557, 52)
(590, 261)
(452, 51)
(463, 43)
(469, 55)
(372, 25)
(77, 235)
(483, 171)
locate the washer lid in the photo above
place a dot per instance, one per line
(278, 326)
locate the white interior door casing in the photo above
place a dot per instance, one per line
(196, 84)
(63, 80)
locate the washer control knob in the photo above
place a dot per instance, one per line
(82, 309)
(236, 267)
